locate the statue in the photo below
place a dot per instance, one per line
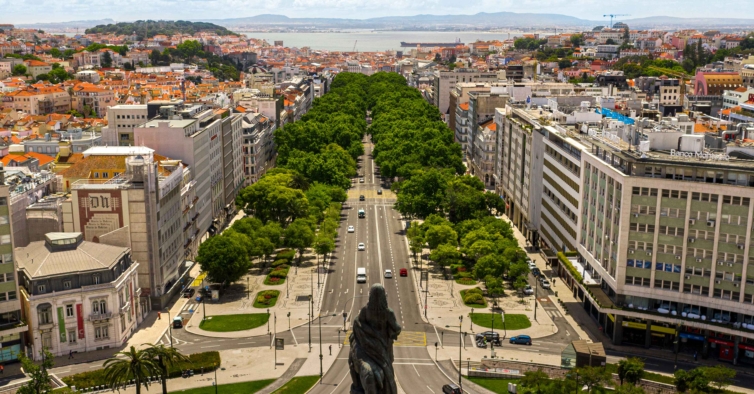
(371, 357)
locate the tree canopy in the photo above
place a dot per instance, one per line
(150, 28)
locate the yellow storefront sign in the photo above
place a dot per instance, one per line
(611, 317)
(664, 330)
(642, 326)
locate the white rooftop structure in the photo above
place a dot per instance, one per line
(118, 151)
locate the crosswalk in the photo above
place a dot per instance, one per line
(554, 313)
(405, 339)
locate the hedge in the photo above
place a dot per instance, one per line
(466, 281)
(266, 299)
(567, 263)
(280, 263)
(286, 254)
(208, 360)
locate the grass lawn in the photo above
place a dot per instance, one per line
(512, 321)
(233, 388)
(266, 299)
(463, 293)
(465, 281)
(298, 385)
(496, 385)
(227, 323)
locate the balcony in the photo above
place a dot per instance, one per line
(100, 316)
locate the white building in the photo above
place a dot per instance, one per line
(121, 121)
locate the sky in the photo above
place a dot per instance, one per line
(38, 11)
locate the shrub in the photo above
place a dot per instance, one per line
(286, 254)
(197, 361)
(280, 272)
(464, 275)
(473, 298)
(280, 263)
(475, 290)
(466, 281)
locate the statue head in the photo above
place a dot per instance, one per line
(377, 308)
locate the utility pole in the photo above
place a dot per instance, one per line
(460, 350)
(310, 326)
(170, 324)
(536, 294)
(319, 322)
(492, 341)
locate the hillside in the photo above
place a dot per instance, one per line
(152, 28)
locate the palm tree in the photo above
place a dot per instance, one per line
(165, 358)
(133, 364)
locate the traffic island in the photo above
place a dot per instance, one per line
(229, 323)
(473, 298)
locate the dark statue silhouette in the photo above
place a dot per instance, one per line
(371, 357)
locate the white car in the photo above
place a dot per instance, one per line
(362, 246)
(388, 273)
(351, 229)
(532, 265)
(545, 284)
(528, 290)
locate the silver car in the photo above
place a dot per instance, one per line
(528, 290)
(545, 284)
(388, 273)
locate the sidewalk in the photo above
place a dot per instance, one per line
(293, 299)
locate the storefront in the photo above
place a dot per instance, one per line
(723, 350)
(691, 342)
(635, 333)
(746, 354)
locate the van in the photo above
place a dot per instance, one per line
(177, 322)
(361, 275)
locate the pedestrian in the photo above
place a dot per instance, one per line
(70, 354)
(331, 350)
(2, 369)
(695, 355)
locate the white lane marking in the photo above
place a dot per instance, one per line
(341, 381)
(433, 391)
(205, 347)
(417, 371)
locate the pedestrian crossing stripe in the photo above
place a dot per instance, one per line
(405, 339)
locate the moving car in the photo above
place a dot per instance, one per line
(528, 290)
(521, 340)
(362, 246)
(177, 322)
(545, 284)
(489, 336)
(351, 229)
(361, 180)
(188, 293)
(361, 198)
(362, 213)
(379, 191)
(388, 273)
(451, 389)
(404, 272)
(361, 275)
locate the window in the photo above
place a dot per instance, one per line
(4, 239)
(11, 295)
(96, 279)
(66, 284)
(41, 289)
(45, 315)
(69, 310)
(101, 332)
(71, 336)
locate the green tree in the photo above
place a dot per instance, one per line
(415, 239)
(68, 53)
(164, 358)
(631, 370)
(132, 365)
(490, 265)
(299, 235)
(534, 380)
(519, 285)
(40, 378)
(445, 255)
(223, 258)
(189, 49)
(274, 198)
(107, 60)
(577, 40)
(18, 70)
(610, 41)
(693, 380)
(323, 244)
(629, 389)
(719, 376)
(43, 77)
(55, 52)
(440, 234)
(593, 377)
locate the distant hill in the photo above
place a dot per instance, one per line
(150, 28)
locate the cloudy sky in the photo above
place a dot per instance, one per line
(34, 11)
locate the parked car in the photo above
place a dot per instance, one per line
(351, 229)
(532, 265)
(536, 272)
(361, 198)
(188, 293)
(490, 336)
(362, 246)
(528, 290)
(451, 389)
(404, 272)
(388, 273)
(545, 284)
(521, 340)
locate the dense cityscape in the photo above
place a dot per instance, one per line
(572, 206)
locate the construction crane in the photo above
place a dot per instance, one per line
(683, 77)
(354, 45)
(613, 16)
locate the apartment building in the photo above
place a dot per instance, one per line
(458, 97)
(664, 240)
(121, 121)
(444, 81)
(12, 326)
(258, 146)
(92, 98)
(38, 101)
(482, 105)
(483, 158)
(77, 295)
(141, 208)
(232, 159)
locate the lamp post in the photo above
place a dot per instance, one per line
(289, 321)
(170, 326)
(319, 322)
(536, 294)
(310, 327)
(492, 340)
(268, 321)
(247, 288)
(216, 366)
(471, 317)
(460, 349)
(502, 316)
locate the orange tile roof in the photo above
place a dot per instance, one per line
(42, 158)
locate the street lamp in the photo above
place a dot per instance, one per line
(268, 320)
(460, 349)
(492, 340)
(289, 321)
(502, 316)
(310, 326)
(247, 287)
(216, 366)
(319, 322)
(471, 317)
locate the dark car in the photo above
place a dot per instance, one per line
(521, 340)
(379, 191)
(451, 389)
(489, 336)
(536, 272)
(188, 293)
(361, 198)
